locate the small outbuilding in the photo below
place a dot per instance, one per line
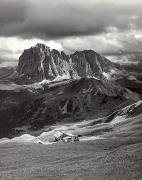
(65, 137)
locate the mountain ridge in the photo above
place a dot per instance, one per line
(40, 62)
(49, 86)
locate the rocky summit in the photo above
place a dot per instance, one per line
(40, 62)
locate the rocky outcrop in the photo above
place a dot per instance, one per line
(40, 62)
(90, 63)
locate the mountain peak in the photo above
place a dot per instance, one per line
(39, 62)
(42, 46)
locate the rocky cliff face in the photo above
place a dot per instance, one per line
(39, 62)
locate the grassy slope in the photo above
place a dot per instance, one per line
(110, 159)
(118, 157)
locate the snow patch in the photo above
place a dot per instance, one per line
(91, 138)
(4, 140)
(118, 119)
(138, 104)
(108, 76)
(132, 78)
(112, 71)
(95, 78)
(45, 81)
(60, 78)
(23, 138)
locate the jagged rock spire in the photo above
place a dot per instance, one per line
(40, 62)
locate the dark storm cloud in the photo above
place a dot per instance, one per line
(11, 12)
(62, 18)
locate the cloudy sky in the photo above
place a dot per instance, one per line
(107, 26)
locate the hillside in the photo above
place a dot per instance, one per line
(117, 151)
(67, 101)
